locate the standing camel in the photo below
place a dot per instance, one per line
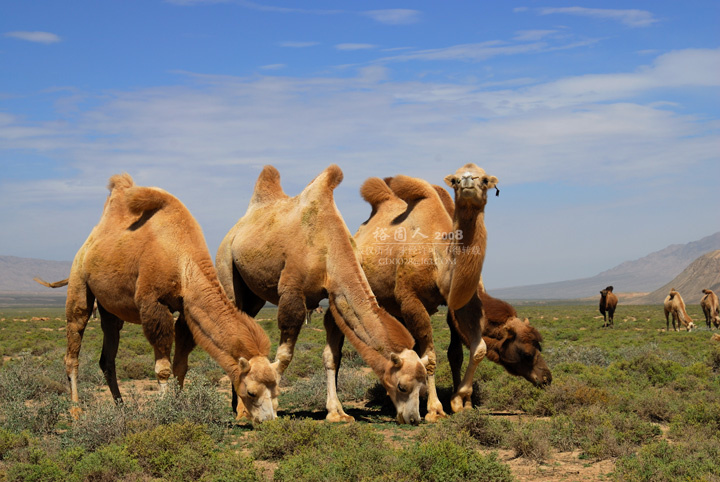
(295, 252)
(608, 303)
(675, 306)
(145, 260)
(417, 256)
(711, 308)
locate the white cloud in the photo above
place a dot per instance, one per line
(630, 17)
(532, 35)
(37, 37)
(351, 46)
(298, 45)
(273, 66)
(395, 16)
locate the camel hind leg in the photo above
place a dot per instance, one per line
(78, 308)
(332, 355)
(111, 326)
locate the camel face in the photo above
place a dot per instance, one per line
(471, 184)
(405, 378)
(520, 353)
(258, 388)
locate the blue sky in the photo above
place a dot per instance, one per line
(600, 119)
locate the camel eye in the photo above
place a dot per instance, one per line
(252, 394)
(402, 388)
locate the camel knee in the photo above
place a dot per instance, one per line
(162, 370)
(479, 352)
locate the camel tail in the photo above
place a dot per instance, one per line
(267, 187)
(56, 284)
(141, 199)
(120, 181)
(375, 191)
(411, 189)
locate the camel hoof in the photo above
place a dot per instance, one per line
(433, 417)
(75, 412)
(335, 417)
(456, 403)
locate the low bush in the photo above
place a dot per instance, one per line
(531, 440)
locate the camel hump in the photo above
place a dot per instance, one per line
(120, 181)
(267, 187)
(447, 201)
(141, 199)
(56, 284)
(332, 176)
(375, 191)
(410, 188)
(609, 288)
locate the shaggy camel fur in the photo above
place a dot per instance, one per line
(417, 256)
(711, 308)
(511, 342)
(675, 305)
(608, 303)
(294, 252)
(145, 260)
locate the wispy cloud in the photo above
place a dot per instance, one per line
(298, 44)
(37, 37)
(629, 17)
(273, 66)
(397, 16)
(467, 52)
(532, 35)
(350, 46)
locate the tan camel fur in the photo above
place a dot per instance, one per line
(419, 251)
(675, 306)
(145, 260)
(608, 303)
(294, 252)
(511, 342)
(711, 308)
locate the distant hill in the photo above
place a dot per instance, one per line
(641, 275)
(16, 275)
(703, 273)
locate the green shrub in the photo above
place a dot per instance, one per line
(485, 430)
(663, 462)
(567, 394)
(101, 423)
(232, 467)
(10, 441)
(107, 464)
(44, 470)
(531, 440)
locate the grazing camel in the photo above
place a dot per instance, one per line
(675, 305)
(419, 251)
(711, 308)
(308, 317)
(511, 342)
(294, 252)
(145, 260)
(608, 303)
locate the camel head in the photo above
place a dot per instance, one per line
(404, 379)
(519, 351)
(258, 389)
(471, 185)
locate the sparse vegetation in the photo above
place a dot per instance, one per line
(646, 399)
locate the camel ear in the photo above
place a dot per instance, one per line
(396, 360)
(451, 180)
(425, 360)
(276, 367)
(244, 366)
(526, 321)
(492, 183)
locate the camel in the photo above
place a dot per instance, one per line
(419, 251)
(511, 342)
(711, 308)
(675, 305)
(308, 317)
(608, 303)
(145, 260)
(295, 252)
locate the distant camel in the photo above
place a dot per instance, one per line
(608, 303)
(711, 308)
(675, 305)
(308, 318)
(145, 260)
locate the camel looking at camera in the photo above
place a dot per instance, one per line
(675, 306)
(711, 308)
(295, 252)
(145, 260)
(420, 251)
(608, 303)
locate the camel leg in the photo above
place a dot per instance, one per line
(462, 398)
(184, 344)
(466, 321)
(111, 326)
(667, 322)
(455, 355)
(78, 309)
(291, 314)
(159, 328)
(332, 355)
(417, 321)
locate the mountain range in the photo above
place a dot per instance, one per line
(682, 266)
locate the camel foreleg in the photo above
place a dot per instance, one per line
(462, 398)
(332, 355)
(184, 344)
(159, 328)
